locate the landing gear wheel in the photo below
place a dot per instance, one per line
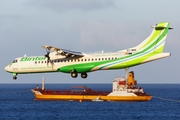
(83, 75)
(74, 74)
(14, 77)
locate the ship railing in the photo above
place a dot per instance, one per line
(121, 90)
(135, 90)
(141, 94)
(72, 92)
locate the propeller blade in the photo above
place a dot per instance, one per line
(48, 58)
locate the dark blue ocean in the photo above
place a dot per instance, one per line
(17, 103)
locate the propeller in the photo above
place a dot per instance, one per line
(48, 58)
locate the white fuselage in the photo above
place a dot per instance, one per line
(36, 64)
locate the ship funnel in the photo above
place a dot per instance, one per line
(131, 80)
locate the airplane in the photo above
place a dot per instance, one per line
(61, 60)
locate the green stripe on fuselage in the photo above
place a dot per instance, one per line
(84, 67)
(135, 61)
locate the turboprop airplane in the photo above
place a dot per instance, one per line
(61, 60)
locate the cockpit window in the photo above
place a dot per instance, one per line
(15, 61)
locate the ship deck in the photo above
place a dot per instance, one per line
(72, 92)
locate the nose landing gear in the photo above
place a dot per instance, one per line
(14, 77)
(15, 74)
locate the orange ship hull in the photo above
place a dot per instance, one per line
(90, 98)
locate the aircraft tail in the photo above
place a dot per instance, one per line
(155, 42)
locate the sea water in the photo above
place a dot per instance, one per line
(17, 102)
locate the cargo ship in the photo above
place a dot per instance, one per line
(124, 89)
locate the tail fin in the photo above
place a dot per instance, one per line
(155, 41)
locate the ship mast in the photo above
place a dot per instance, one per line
(126, 69)
(43, 83)
(126, 76)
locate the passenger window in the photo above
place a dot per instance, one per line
(64, 60)
(75, 60)
(102, 58)
(84, 59)
(99, 59)
(88, 59)
(81, 59)
(78, 60)
(116, 58)
(72, 60)
(109, 58)
(96, 59)
(42, 62)
(112, 58)
(92, 59)
(105, 58)
(35, 62)
(39, 62)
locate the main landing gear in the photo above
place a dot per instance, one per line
(75, 74)
(84, 75)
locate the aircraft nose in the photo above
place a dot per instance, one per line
(6, 68)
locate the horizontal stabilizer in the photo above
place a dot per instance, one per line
(160, 27)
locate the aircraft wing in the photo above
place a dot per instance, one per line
(63, 51)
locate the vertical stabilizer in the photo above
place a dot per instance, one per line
(155, 41)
